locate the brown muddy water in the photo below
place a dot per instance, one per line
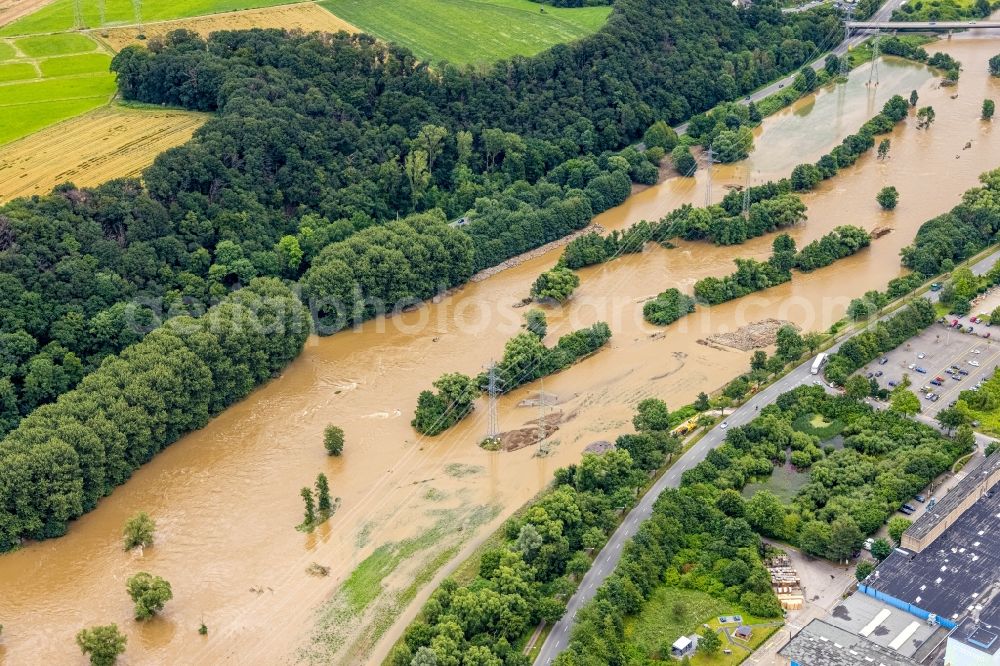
(226, 498)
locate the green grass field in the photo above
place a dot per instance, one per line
(40, 85)
(673, 612)
(469, 31)
(43, 46)
(61, 14)
(87, 63)
(17, 71)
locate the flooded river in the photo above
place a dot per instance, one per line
(226, 499)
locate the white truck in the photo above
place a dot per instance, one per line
(818, 363)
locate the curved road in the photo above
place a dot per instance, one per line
(607, 559)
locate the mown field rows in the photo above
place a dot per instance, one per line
(47, 78)
(469, 31)
(62, 15)
(104, 144)
(305, 16)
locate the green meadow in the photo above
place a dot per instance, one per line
(470, 31)
(48, 78)
(62, 14)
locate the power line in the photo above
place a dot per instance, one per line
(492, 419)
(873, 74)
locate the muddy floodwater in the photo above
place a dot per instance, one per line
(226, 498)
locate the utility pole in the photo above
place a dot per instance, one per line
(746, 198)
(708, 184)
(873, 74)
(845, 62)
(493, 422)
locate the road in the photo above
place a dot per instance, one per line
(922, 26)
(607, 559)
(883, 14)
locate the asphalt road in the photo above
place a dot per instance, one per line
(607, 559)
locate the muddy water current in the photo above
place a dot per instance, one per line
(226, 498)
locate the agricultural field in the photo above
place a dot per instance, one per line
(62, 15)
(470, 31)
(305, 16)
(112, 142)
(48, 78)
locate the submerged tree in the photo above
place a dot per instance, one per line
(103, 643)
(883, 149)
(333, 440)
(310, 506)
(139, 531)
(149, 593)
(323, 502)
(925, 116)
(988, 108)
(887, 197)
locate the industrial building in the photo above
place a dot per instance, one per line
(935, 600)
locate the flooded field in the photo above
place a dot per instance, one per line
(226, 498)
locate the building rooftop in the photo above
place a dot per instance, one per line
(982, 633)
(881, 623)
(949, 575)
(822, 644)
(954, 498)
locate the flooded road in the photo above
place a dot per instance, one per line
(226, 499)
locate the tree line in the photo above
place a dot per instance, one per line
(64, 457)
(878, 339)
(525, 359)
(842, 242)
(542, 554)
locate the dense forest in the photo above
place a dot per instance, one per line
(886, 458)
(321, 143)
(64, 457)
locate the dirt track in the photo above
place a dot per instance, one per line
(11, 10)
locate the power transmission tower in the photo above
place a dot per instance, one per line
(492, 421)
(845, 62)
(137, 9)
(873, 74)
(746, 198)
(708, 185)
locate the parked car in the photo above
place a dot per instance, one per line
(963, 372)
(724, 425)
(921, 355)
(932, 502)
(937, 382)
(974, 364)
(935, 286)
(911, 366)
(920, 498)
(909, 506)
(976, 351)
(868, 544)
(883, 360)
(869, 375)
(935, 397)
(878, 373)
(892, 384)
(906, 511)
(923, 371)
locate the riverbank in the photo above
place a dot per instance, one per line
(257, 454)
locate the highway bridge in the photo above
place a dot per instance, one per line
(921, 26)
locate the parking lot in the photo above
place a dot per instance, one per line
(934, 351)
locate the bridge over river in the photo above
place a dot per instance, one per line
(921, 26)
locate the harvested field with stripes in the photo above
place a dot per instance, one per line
(305, 16)
(111, 142)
